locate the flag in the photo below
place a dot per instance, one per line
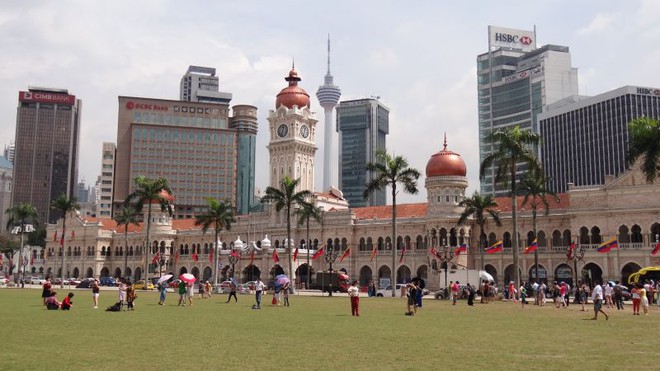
(195, 256)
(276, 257)
(55, 236)
(656, 249)
(374, 252)
(532, 247)
(73, 234)
(318, 253)
(460, 249)
(155, 259)
(569, 252)
(176, 257)
(295, 254)
(403, 252)
(434, 252)
(211, 256)
(496, 247)
(608, 245)
(235, 254)
(345, 254)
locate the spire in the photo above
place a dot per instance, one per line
(444, 148)
(328, 54)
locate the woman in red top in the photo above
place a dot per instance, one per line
(46, 291)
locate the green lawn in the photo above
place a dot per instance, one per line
(316, 333)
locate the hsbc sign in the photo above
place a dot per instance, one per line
(648, 91)
(510, 38)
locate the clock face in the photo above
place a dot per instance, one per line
(304, 131)
(282, 131)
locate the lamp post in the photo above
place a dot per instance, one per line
(330, 257)
(233, 259)
(575, 255)
(445, 257)
(22, 229)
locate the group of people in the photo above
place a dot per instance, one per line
(49, 298)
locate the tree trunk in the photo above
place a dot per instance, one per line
(148, 247)
(394, 244)
(216, 260)
(482, 245)
(514, 220)
(308, 246)
(126, 250)
(536, 253)
(62, 245)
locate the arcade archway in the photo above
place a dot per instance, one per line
(251, 273)
(365, 275)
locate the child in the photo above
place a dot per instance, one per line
(201, 289)
(285, 294)
(67, 303)
(130, 296)
(207, 289)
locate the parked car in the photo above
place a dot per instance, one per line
(139, 285)
(243, 288)
(72, 281)
(462, 290)
(387, 292)
(108, 281)
(35, 280)
(224, 287)
(85, 283)
(57, 281)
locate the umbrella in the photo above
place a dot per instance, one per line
(164, 278)
(485, 276)
(187, 278)
(611, 283)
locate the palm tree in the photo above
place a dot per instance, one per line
(536, 193)
(20, 216)
(8, 247)
(126, 216)
(515, 147)
(150, 191)
(220, 215)
(286, 197)
(64, 205)
(480, 207)
(305, 213)
(644, 141)
(390, 171)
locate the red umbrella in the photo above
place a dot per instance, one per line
(188, 278)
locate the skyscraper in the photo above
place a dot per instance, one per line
(200, 84)
(328, 96)
(6, 169)
(103, 195)
(586, 138)
(516, 81)
(10, 151)
(47, 134)
(195, 146)
(363, 126)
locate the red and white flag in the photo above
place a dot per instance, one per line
(345, 254)
(276, 257)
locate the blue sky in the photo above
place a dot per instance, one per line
(419, 57)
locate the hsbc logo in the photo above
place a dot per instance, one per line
(512, 39)
(648, 91)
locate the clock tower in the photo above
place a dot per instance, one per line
(292, 127)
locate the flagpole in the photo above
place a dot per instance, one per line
(617, 259)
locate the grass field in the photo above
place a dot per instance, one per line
(316, 333)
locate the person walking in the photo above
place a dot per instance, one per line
(95, 293)
(182, 293)
(285, 295)
(162, 289)
(523, 294)
(354, 295)
(412, 295)
(644, 300)
(471, 292)
(122, 292)
(420, 293)
(582, 294)
(232, 292)
(542, 289)
(597, 297)
(190, 292)
(258, 289)
(618, 296)
(609, 292)
(454, 292)
(512, 292)
(636, 298)
(130, 296)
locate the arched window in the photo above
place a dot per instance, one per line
(492, 238)
(506, 240)
(624, 236)
(567, 238)
(595, 236)
(636, 236)
(419, 243)
(556, 238)
(584, 236)
(541, 240)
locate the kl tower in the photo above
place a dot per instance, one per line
(328, 96)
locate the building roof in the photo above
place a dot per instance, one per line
(505, 203)
(385, 212)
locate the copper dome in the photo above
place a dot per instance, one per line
(445, 163)
(292, 95)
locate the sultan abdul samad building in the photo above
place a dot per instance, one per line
(625, 207)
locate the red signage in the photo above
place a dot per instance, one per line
(45, 97)
(148, 107)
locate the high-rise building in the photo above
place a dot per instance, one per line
(6, 169)
(195, 146)
(363, 126)
(47, 134)
(516, 81)
(328, 96)
(103, 195)
(200, 84)
(586, 138)
(10, 152)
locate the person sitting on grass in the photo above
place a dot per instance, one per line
(67, 303)
(51, 301)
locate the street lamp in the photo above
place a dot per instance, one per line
(445, 257)
(330, 258)
(576, 254)
(22, 229)
(233, 259)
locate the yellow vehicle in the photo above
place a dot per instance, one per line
(648, 273)
(139, 285)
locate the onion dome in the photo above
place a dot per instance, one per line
(445, 163)
(292, 95)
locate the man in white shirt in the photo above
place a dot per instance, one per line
(597, 297)
(258, 288)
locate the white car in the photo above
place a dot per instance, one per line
(37, 281)
(387, 292)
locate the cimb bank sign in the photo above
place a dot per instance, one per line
(500, 37)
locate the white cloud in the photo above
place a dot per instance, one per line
(600, 23)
